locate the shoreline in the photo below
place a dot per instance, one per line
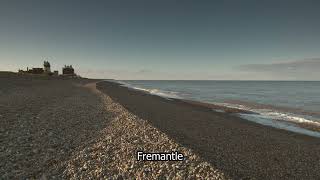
(238, 147)
(61, 128)
(307, 128)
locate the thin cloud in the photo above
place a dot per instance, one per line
(306, 69)
(144, 71)
(300, 65)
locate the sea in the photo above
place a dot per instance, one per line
(289, 105)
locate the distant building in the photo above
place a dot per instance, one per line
(68, 70)
(36, 71)
(46, 66)
(46, 70)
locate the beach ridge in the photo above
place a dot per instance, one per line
(64, 128)
(123, 137)
(239, 148)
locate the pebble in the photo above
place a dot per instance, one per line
(126, 130)
(76, 134)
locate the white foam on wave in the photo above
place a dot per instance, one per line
(276, 115)
(157, 92)
(261, 119)
(290, 117)
(281, 120)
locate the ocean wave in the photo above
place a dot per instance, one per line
(282, 120)
(275, 114)
(157, 92)
(261, 119)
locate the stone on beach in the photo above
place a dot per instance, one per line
(65, 128)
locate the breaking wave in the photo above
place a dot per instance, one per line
(275, 118)
(157, 92)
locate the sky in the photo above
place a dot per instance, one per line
(164, 39)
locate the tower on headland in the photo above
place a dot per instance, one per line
(46, 66)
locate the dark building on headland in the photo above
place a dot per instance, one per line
(37, 71)
(68, 70)
(45, 70)
(32, 71)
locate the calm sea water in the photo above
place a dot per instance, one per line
(281, 104)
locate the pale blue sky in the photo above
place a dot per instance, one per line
(164, 39)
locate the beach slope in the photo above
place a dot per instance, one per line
(241, 149)
(64, 128)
